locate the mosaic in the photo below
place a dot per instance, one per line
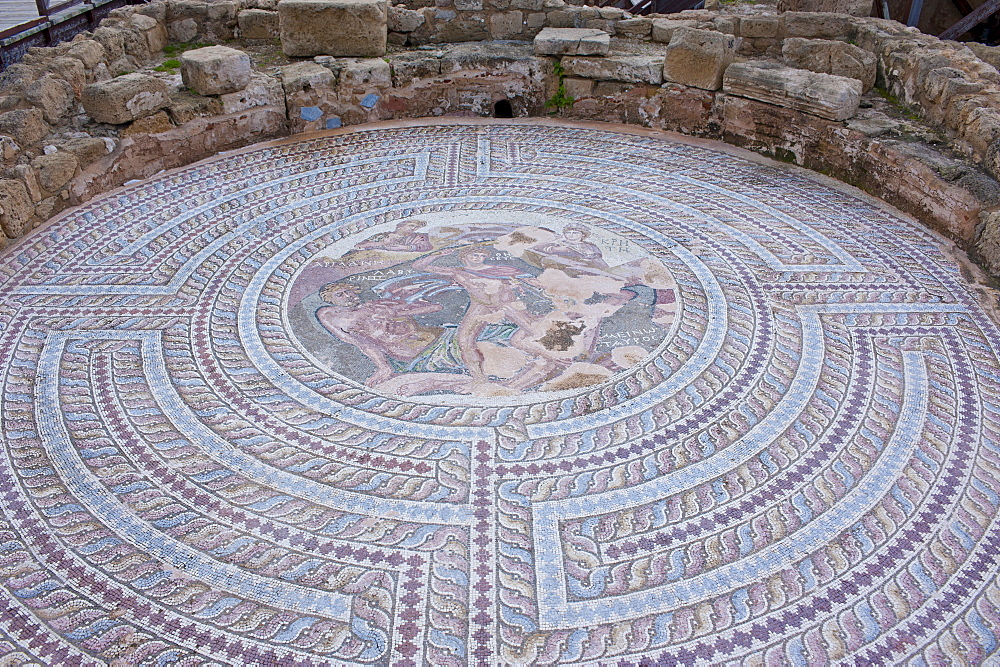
(494, 394)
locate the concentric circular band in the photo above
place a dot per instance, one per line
(519, 393)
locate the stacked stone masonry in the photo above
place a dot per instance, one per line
(907, 117)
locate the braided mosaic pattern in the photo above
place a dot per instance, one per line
(800, 467)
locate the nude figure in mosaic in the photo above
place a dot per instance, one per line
(405, 238)
(384, 329)
(571, 253)
(492, 299)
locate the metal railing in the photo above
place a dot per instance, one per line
(57, 20)
(646, 7)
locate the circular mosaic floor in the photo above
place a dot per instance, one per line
(494, 394)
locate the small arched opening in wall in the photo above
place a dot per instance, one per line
(503, 109)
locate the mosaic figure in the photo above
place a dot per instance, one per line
(405, 238)
(384, 329)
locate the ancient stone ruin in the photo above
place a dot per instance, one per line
(902, 115)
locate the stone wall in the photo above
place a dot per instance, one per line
(906, 117)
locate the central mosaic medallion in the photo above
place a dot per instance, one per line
(482, 303)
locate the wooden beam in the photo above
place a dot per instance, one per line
(978, 15)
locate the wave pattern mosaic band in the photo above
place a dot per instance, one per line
(494, 394)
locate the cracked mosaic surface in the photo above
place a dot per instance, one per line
(369, 398)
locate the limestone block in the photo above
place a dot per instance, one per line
(505, 25)
(154, 10)
(183, 31)
(988, 244)
(467, 5)
(307, 77)
(410, 66)
(16, 208)
(87, 51)
(663, 29)
(157, 123)
(258, 24)
(154, 31)
(54, 171)
(824, 95)
(125, 98)
(578, 88)
(988, 54)
(262, 91)
(817, 25)
(333, 27)
(699, 57)
(630, 69)
(53, 96)
(727, 24)
(86, 149)
(71, 71)
(528, 5)
(9, 150)
(17, 77)
(852, 7)
(535, 21)
(214, 70)
(830, 57)
(24, 126)
(113, 41)
(136, 45)
(760, 26)
(572, 41)
(367, 73)
(402, 19)
(212, 21)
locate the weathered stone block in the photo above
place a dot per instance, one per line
(87, 149)
(630, 69)
(307, 77)
(682, 109)
(125, 98)
(16, 208)
(637, 28)
(154, 31)
(817, 25)
(333, 27)
(158, 123)
(760, 26)
(505, 25)
(25, 126)
(113, 41)
(699, 57)
(578, 88)
(183, 30)
(830, 57)
(572, 41)
(54, 171)
(215, 70)
(824, 95)
(89, 52)
(852, 7)
(262, 91)
(258, 24)
(367, 73)
(53, 96)
(402, 19)
(663, 29)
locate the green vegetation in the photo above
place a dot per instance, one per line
(907, 111)
(171, 65)
(560, 100)
(177, 49)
